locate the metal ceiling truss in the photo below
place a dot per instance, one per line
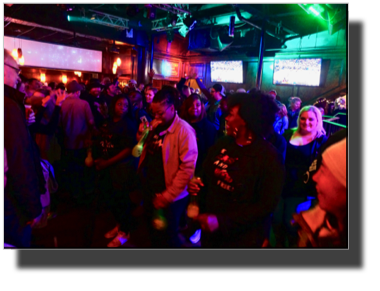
(159, 24)
(108, 20)
(171, 8)
(27, 23)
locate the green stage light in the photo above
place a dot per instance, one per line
(68, 17)
(311, 8)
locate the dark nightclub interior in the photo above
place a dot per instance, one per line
(175, 126)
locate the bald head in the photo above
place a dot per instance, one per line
(11, 67)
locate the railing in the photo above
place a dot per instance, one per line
(331, 126)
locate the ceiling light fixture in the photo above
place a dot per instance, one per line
(19, 53)
(114, 49)
(43, 78)
(15, 54)
(231, 28)
(150, 11)
(188, 24)
(21, 61)
(169, 35)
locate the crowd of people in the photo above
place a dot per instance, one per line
(240, 170)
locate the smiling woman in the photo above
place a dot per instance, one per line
(242, 177)
(303, 145)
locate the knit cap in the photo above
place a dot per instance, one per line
(334, 157)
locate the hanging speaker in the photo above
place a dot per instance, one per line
(231, 29)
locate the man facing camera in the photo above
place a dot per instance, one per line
(166, 166)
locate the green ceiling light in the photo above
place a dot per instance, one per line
(312, 9)
(316, 9)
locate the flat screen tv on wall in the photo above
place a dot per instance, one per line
(54, 56)
(227, 72)
(301, 72)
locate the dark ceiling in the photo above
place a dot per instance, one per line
(49, 23)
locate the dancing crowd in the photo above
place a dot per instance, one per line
(240, 170)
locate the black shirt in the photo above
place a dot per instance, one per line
(297, 161)
(206, 136)
(115, 137)
(154, 167)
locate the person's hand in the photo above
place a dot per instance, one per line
(29, 115)
(193, 75)
(61, 96)
(194, 185)
(160, 202)
(154, 123)
(151, 74)
(208, 222)
(141, 128)
(45, 100)
(31, 119)
(101, 164)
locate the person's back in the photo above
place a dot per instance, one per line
(75, 120)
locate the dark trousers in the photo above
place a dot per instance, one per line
(115, 184)
(284, 232)
(167, 238)
(74, 168)
(16, 233)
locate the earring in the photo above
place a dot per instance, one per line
(235, 131)
(249, 139)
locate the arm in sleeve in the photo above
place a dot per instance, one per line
(204, 89)
(285, 124)
(22, 179)
(188, 153)
(51, 126)
(89, 115)
(268, 192)
(39, 116)
(180, 84)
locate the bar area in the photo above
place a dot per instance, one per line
(175, 126)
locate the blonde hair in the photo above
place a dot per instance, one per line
(320, 130)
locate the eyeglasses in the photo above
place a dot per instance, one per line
(161, 114)
(18, 71)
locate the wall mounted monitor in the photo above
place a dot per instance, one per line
(227, 72)
(301, 72)
(52, 56)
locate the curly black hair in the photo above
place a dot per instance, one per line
(257, 109)
(113, 104)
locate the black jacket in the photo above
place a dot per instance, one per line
(242, 188)
(24, 184)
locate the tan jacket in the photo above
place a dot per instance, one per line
(179, 153)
